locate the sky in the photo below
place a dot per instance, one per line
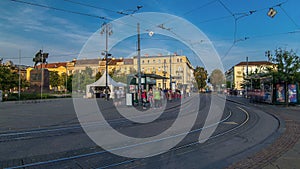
(69, 29)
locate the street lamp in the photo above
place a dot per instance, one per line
(107, 30)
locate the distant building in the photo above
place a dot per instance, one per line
(180, 67)
(82, 64)
(235, 76)
(59, 67)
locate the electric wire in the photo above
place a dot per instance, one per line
(60, 9)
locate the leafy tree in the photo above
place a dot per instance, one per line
(217, 78)
(98, 75)
(200, 75)
(112, 72)
(287, 68)
(54, 79)
(8, 79)
(83, 78)
(69, 83)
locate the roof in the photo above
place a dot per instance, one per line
(128, 61)
(87, 61)
(254, 63)
(102, 82)
(52, 65)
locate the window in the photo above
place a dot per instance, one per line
(148, 61)
(153, 60)
(143, 61)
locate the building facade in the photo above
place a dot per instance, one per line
(175, 67)
(235, 76)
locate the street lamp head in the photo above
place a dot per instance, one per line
(151, 33)
(272, 12)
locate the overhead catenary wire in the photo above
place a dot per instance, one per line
(60, 9)
(236, 16)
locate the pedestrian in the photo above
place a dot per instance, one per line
(150, 98)
(162, 97)
(156, 95)
(144, 99)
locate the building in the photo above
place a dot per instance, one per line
(179, 66)
(235, 76)
(81, 65)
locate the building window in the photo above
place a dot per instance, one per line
(159, 61)
(143, 61)
(148, 61)
(177, 60)
(153, 60)
(180, 59)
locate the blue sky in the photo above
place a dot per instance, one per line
(28, 28)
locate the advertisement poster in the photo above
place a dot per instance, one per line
(292, 93)
(298, 93)
(280, 93)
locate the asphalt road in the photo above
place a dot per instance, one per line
(47, 134)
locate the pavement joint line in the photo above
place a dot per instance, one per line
(273, 151)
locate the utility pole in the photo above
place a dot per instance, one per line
(170, 72)
(139, 63)
(107, 29)
(164, 83)
(247, 77)
(19, 75)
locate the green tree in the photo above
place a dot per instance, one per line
(54, 79)
(200, 75)
(98, 75)
(8, 79)
(81, 79)
(287, 68)
(69, 83)
(217, 78)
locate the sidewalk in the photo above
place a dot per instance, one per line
(285, 151)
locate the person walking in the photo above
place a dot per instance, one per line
(156, 94)
(150, 98)
(144, 99)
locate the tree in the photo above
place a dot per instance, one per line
(83, 78)
(217, 78)
(200, 75)
(69, 83)
(287, 68)
(8, 79)
(98, 75)
(54, 79)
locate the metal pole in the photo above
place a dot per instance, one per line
(19, 74)
(106, 63)
(42, 78)
(170, 72)
(247, 77)
(139, 63)
(66, 89)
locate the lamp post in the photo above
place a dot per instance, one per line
(170, 72)
(139, 63)
(19, 94)
(107, 30)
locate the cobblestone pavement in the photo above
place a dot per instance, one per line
(285, 151)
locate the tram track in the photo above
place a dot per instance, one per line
(124, 162)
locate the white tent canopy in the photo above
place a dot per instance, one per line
(101, 82)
